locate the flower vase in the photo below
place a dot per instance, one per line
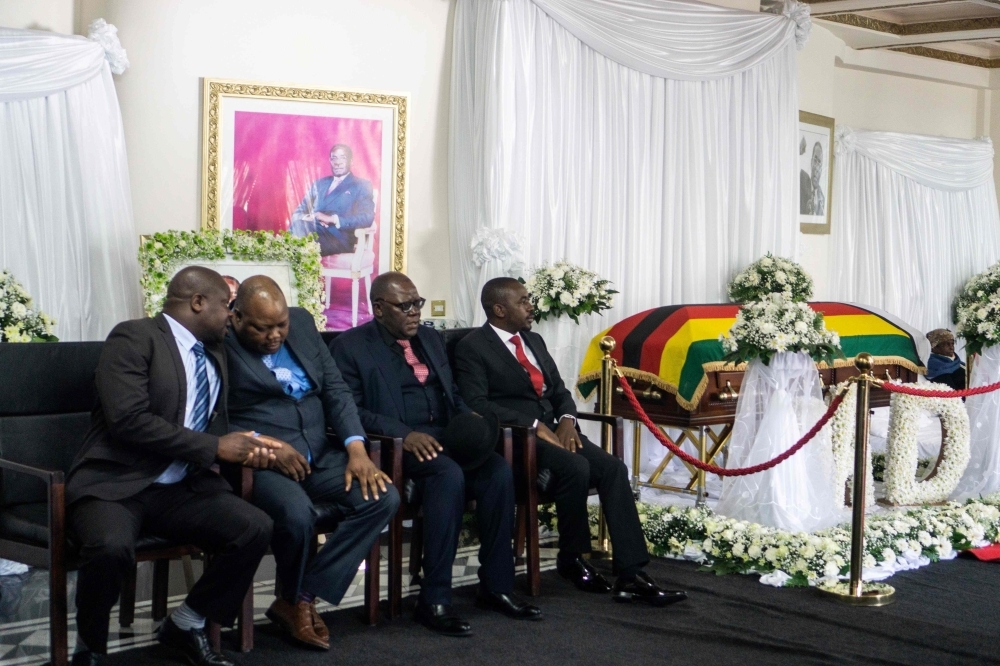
(779, 402)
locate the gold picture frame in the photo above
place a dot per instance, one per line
(218, 172)
(814, 198)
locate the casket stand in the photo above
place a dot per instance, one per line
(672, 359)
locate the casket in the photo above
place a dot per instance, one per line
(673, 358)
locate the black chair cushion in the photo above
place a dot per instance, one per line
(48, 442)
(48, 377)
(29, 523)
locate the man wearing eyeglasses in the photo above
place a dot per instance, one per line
(403, 386)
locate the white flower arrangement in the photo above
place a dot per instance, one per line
(843, 434)
(775, 324)
(771, 275)
(567, 289)
(161, 253)
(19, 322)
(901, 485)
(977, 310)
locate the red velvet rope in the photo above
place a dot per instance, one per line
(909, 389)
(715, 469)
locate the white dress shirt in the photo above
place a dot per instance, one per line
(505, 338)
(185, 345)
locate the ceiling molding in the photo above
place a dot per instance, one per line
(912, 29)
(949, 56)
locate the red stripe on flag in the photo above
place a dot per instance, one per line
(652, 348)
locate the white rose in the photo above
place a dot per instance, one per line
(982, 313)
(18, 310)
(566, 298)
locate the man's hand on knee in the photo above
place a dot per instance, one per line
(422, 445)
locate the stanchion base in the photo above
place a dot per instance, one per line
(599, 555)
(872, 594)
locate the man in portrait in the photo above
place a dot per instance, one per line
(335, 206)
(812, 201)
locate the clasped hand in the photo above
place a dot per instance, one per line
(323, 218)
(249, 449)
(565, 436)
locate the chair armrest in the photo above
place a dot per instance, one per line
(47, 475)
(56, 501)
(526, 439)
(505, 444)
(617, 424)
(239, 477)
(390, 464)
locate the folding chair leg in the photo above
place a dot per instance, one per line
(396, 566)
(372, 563)
(245, 623)
(161, 587)
(58, 631)
(126, 603)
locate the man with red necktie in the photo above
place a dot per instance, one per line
(504, 369)
(402, 383)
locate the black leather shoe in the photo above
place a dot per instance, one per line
(192, 646)
(86, 658)
(643, 588)
(440, 618)
(583, 575)
(507, 604)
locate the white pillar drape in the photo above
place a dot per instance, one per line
(914, 217)
(653, 142)
(66, 228)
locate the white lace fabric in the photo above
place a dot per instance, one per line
(778, 404)
(982, 475)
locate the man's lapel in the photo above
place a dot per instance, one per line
(501, 350)
(253, 363)
(383, 361)
(545, 361)
(296, 345)
(175, 354)
(344, 185)
(439, 364)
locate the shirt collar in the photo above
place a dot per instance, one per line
(185, 338)
(505, 336)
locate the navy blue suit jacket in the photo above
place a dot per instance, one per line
(258, 401)
(373, 374)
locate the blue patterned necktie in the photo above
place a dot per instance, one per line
(199, 415)
(283, 375)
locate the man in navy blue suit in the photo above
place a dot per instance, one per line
(403, 387)
(335, 206)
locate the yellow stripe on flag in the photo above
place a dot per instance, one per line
(592, 359)
(850, 325)
(676, 349)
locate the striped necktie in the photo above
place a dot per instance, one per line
(199, 415)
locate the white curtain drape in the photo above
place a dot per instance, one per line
(914, 217)
(66, 228)
(651, 142)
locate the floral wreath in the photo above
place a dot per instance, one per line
(162, 252)
(901, 486)
(843, 427)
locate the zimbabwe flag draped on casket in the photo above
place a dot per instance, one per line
(674, 346)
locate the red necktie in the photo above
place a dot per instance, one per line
(419, 369)
(537, 380)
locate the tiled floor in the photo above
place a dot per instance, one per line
(24, 607)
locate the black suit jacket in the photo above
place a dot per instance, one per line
(492, 381)
(368, 368)
(257, 401)
(137, 428)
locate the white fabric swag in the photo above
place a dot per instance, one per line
(66, 228)
(914, 217)
(563, 137)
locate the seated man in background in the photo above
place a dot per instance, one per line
(943, 366)
(284, 383)
(399, 373)
(159, 425)
(504, 369)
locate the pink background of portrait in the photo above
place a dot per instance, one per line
(277, 157)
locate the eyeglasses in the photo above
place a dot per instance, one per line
(407, 307)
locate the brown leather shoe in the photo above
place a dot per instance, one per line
(318, 625)
(297, 620)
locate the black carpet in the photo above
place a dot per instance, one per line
(946, 613)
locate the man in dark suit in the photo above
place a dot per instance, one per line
(505, 369)
(284, 383)
(159, 425)
(403, 386)
(335, 206)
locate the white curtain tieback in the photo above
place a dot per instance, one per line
(106, 35)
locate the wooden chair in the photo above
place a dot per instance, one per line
(354, 266)
(45, 403)
(528, 496)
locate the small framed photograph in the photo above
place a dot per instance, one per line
(311, 161)
(815, 172)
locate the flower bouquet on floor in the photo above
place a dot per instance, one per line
(19, 322)
(564, 289)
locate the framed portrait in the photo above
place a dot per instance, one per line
(815, 172)
(317, 162)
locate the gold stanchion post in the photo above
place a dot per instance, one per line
(606, 390)
(878, 594)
